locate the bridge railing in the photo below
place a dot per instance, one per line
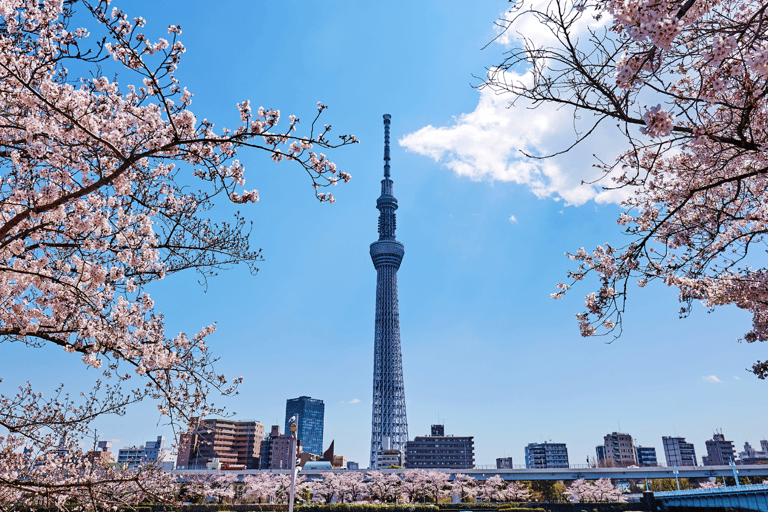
(714, 490)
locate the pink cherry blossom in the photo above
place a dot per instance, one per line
(694, 166)
(95, 206)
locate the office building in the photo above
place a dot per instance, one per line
(646, 456)
(504, 463)
(618, 451)
(719, 451)
(311, 413)
(389, 422)
(235, 444)
(546, 456)
(353, 465)
(151, 452)
(440, 451)
(678, 452)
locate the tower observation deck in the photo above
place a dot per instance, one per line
(389, 424)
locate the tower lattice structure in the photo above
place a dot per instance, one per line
(389, 425)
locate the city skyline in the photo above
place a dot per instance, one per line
(486, 345)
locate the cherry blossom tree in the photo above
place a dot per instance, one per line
(516, 491)
(220, 487)
(282, 486)
(602, 490)
(686, 83)
(464, 486)
(436, 485)
(325, 489)
(493, 489)
(258, 487)
(709, 485)
(383, 487)
(352, 487)
(414, 485)
(95, 205)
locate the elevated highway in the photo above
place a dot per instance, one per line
(756, 471)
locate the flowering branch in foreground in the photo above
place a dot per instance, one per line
(94, 206)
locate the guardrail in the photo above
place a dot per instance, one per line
(714, 490)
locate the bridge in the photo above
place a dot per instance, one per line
(751, 471)
(742, 497)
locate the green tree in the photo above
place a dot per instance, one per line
(669, 484)
(546, 490)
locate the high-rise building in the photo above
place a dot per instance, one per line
(440, 451)
(719, 451)
(311, 413)
(646, 456)
(389, 422)
(618, 450)
(233, 443)
(504, 463)
(678, 452)
(546, 455)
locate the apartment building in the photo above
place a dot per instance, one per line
(678, 452)
(546, 455)
(236, 444)
(618, 451)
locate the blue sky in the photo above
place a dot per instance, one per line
(485, 349)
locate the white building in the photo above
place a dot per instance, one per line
(151, 452)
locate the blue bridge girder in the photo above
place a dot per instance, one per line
(744, 497)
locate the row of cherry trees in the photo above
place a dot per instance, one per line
(412, 486)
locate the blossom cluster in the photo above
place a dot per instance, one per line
(658, 122)
(695, 164)
(586, 491)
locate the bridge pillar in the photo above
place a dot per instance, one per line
(649, 502)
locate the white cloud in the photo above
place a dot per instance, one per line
(712, 378)
(513, 219)
(737, 378)
(487, 144)
(534, 31)
(354, 401)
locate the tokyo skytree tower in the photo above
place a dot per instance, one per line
(389, 425)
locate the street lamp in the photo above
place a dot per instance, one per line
(675, 471)
(735, 472)
(292, 427)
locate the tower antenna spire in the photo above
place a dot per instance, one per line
(387, 119)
